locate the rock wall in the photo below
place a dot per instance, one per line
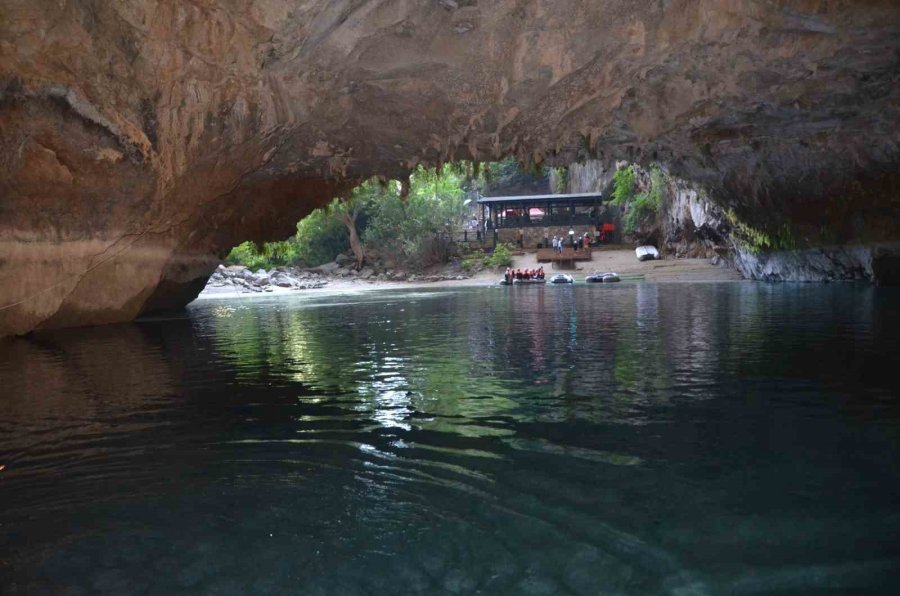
(879, 264)
(688, 224)
(140, 139)
(591, 175)
(691, 224)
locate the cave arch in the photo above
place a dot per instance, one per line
(132, 163)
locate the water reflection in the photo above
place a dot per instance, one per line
(733, 438)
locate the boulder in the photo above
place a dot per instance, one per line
(328, 268)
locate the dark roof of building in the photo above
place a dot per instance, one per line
(542, 198)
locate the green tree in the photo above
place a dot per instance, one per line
(347, 211)
(319, 237)
(410, 221)
(418, 231)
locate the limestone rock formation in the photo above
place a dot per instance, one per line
(141, 139)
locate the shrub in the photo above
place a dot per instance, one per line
(320, 236)
(638, 207)
(268, 256)
(560, 177)
(472, 261)
(623, 186)
(501, 257)
(758, 240)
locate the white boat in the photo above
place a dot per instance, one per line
(646, 253)
(562, 278)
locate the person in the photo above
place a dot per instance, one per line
(546, 237)
(553, 243)
(572, 238)
(597, 235)
(508, 275)
(587, 240)
(541, 272)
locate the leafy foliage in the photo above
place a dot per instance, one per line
(319, 238)
(472, 261)
(501, 257)
(477, 259)
(758, 240)
(509, 177)
(415, 231)
(560, 177)
(418, 231)
(267, 256)
(639, 207)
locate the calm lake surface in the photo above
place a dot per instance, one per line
(636, 439)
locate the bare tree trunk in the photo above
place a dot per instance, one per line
(349, 220)
(404, 188)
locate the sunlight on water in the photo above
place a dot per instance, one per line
(635, 439)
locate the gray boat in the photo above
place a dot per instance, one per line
(562, 278)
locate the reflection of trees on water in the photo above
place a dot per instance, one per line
(551, 353)
(493, 362)
(598, 353)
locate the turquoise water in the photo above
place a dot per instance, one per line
(629, 439)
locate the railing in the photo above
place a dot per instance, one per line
(469, 235)
(548, 221)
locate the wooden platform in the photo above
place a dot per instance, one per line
(548, 255)
(565, 260)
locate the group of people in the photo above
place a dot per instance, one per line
(559, 243)
(512, 274)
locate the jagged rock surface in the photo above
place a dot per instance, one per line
(141, 139)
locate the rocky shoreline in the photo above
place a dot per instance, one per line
(240, 279)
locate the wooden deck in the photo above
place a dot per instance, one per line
(547, 255)
(566, 260)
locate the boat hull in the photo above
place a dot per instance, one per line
(646, 253)
(529, 282)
